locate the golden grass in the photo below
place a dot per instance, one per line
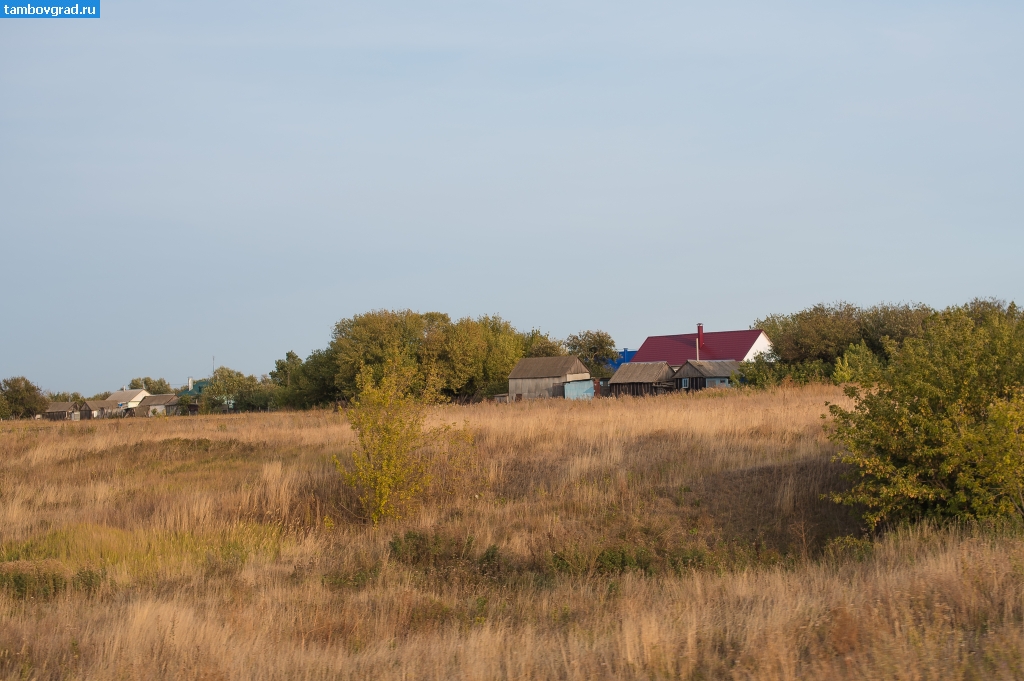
(673, 537)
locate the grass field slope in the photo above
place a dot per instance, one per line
(676, 537)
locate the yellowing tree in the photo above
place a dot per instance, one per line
(398, 461)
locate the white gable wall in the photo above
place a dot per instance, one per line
(761, 345)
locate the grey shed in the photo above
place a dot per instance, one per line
(700, 374)
(641, 378)
(152, 405)
(61, 411)
(100, 409)
(536, 377)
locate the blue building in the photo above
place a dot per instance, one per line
(625, 355)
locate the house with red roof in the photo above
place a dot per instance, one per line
(677, 350)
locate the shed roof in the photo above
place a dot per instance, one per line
(680, 348)
(57, 407)
(155, 400)
(548, 367)
(96, 405)
(642, 372)
(715, 368)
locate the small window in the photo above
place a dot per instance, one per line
(685, 383)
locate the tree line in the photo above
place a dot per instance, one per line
(460, 360)
(826, 342)
(452, 360)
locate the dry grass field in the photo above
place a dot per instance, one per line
(679, 537)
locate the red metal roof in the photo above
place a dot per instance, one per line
(680, 348)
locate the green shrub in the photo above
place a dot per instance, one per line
(33, 579)
(940, 433)
(397, 461)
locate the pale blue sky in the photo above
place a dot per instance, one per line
(182, 180)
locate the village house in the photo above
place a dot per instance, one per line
(61, 411)
(535, 377)
(99, 409)
(158, 405)
(677, 350)
(700, 374)
(641, 378)
(128, 399)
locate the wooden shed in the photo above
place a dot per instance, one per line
(158, 405)
(641, 378)
(61, 411)
(100, 409)
(536, 377)
(700, 374)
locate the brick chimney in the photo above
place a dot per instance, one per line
(700, 339)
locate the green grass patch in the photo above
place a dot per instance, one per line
(144, 553)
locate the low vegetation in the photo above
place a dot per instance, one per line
(671, 537)
(938, 429)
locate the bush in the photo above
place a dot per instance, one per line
(940, 433)
(398, 461)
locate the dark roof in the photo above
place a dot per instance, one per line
(96, 405)
(154, 400)
(643, 372)
(56, 407)
(679, 349)
(716, 368)
(548, 367)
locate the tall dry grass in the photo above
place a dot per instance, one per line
(674, 537)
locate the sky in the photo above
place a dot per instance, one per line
(188, 183)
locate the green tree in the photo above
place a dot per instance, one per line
(73, 397)
(505, 347)
(235, 390)
(595, 349)
(5, 409)
(884, 322)
(24, 398)
(154, 386)
(463, 360)
(858, 364)
(368, 340)
(538, 344)
(937, 432)
(822, 332)
(812, 344)
(286, 370)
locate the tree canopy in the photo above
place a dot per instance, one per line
(237, 391)
(595, 349)
(455, 360)
(23, 397)
(154, 386)
(938, 431)
(807, 345)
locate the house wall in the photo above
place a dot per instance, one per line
(761, 345)
(635, 389)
